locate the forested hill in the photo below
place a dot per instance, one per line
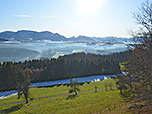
(68, 66)
(121, 56)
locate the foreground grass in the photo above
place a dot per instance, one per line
(84, 103)
(44, 92)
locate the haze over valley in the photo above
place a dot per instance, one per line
(27, 45)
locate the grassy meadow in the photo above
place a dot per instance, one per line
(84, 103)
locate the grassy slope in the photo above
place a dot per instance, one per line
(101, 102)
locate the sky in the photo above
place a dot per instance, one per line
(98, 18)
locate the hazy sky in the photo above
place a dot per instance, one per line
(70, 17)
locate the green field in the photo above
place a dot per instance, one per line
(84, 103)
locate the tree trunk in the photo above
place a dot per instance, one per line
(120, 91)
(26, 96)
(75, 92)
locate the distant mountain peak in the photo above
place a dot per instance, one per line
(25, 31)
(25, 35)
(46, 32)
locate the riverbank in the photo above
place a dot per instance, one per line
(4, 97)
(61, 82)
(90, 102)
(55, 90)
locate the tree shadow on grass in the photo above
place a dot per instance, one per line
(11, 109)
(71, 97)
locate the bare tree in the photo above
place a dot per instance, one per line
(24, 89)
(138, 80)
(22, 82)
(74, 86)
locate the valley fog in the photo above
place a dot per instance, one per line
(21, 51)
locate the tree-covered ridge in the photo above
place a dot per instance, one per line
(68, 66)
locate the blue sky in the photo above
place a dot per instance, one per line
(70, 17)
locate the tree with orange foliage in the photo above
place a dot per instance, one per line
(138, 79)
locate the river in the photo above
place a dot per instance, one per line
(59, 82)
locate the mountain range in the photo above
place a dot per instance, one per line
(27, 35)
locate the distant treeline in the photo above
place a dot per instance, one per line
(67, 66)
